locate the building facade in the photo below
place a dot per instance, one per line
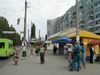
(88, 17)
(93, 15)
(51, 27)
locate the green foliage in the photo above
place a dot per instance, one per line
(4, 26)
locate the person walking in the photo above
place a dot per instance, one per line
(37, 50)
(70, 51)
(69, 56)
(42, 55)
(24, 54)
(65, 49)
(91, 53)
(54, 50)
(32, 51)
(76, 57)
(16, 56)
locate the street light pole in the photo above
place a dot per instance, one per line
(25, 16)
(77, 24)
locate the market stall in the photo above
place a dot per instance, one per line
(85, 37)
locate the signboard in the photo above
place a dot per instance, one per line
(33, 40)
(48, 41)
(8, 32)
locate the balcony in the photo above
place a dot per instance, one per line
(97, 31)
(81, 25)
(97, 13)
(97, 6)
(97, 25)
(90, 21)
(89, 27)
(97, 19)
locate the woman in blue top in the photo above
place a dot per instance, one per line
(76, 57)
(83, 55)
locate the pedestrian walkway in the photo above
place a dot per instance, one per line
(55, 65)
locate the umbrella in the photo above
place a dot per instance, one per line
(62, 40)
(54, 41)
(94, 42)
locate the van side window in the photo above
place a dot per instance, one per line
(2, 45)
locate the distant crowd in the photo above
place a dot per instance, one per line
(75, 53)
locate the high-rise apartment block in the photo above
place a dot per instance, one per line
(88, 18)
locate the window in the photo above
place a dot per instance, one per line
(91, 23)
(82, 22)
(2, 45)
(97, 28)
(91, 0)
(96, 3)
(97, 10)
(90, 17)
(97, 22)
(91, 7)
(91, 29)
(98, 15)
(91, 12)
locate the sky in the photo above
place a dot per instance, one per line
(39, 11)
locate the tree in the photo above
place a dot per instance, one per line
(33, 31)
(17, 39)
(4, 26)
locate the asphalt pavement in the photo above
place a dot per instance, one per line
(54, 65)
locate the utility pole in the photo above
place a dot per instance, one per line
(77, 24)
(25, 17)
(28, 36)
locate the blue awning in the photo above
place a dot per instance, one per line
(54, 41)
(62, 40)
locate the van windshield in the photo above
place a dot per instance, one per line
(2, 45)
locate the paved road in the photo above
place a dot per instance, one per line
(55, 65)
(4, 62)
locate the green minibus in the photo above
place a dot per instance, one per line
(6, 47)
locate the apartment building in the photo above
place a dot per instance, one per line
(51, 27)
(88, 17)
